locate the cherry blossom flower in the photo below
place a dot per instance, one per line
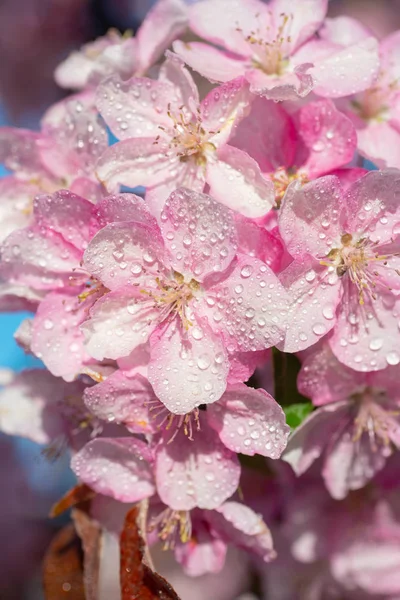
(247, 421)
(375, 112)
(207, 477)
(170, 139)
(345, 274)
(46, 257)
(123, 54)
(62, 155)
(275, 48)
(313, 141)
(181, 287)
(355, 430)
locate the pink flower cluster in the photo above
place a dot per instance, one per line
(258, 229)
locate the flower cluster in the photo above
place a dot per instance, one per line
(155, 312)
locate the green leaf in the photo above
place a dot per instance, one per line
(296, 413)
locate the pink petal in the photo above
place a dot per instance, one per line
(328, 136)
(187, 368)
(28, 406)
(292, 85)
(228, 23)
(204, 553)
(16, 204)
(118, 467)
(312, 312)
(302, 23)
(119, 322)
(136, 107)
(371, 198)
(174, 71)
(68, 215)
(347, 71)
(14, 297)
(139, 161)
(57, 338)
(199, 233)
(223, 108)
(349, 465)
(240, 525)
(235, 180)
(38, 258)
(324, 379)
(124, 207)
(163, 23)
(343, 31)
(257, 317)
(19, 152)
(309, 210)
(308, 442)
(367, 344)
(200, 473)
(243, 365)
(379, 141)
(214, 64)
(390, 54)
(75, 137)
(257, 242)
(122, 399)
(249, 422)
(268, 135)
(123, 253)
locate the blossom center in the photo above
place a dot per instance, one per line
(164, 419)
(359, 260)
(282, 178)
(373, 419)
(270, 56)
(190, 141)
(173, 526)
(173, 296)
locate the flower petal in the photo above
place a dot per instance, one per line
(116, 467)
(239, 524)
(187, 368)
(249, 422)
(214, 64)
(199, 233)
(256, 319)
(235, 180)
(200, 473)
(308, 210)
(122, 399)
(119, 322)
(123, 253)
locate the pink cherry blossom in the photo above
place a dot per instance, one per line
(171, 139)
(355, 430)
(123, 54)
(247, 421)
(345, 273)
(313, 141)
(275, 48)
(46, 258)
(375, 112)
(182, 288)
(62, 155)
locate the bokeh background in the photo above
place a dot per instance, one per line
(35, 35)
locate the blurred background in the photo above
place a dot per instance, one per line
(35, 35)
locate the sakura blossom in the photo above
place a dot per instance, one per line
(181, 287)
(124, 54)
(344, 277)
(356, 427)
(170, 139)
(208, 269)
(275, 47)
